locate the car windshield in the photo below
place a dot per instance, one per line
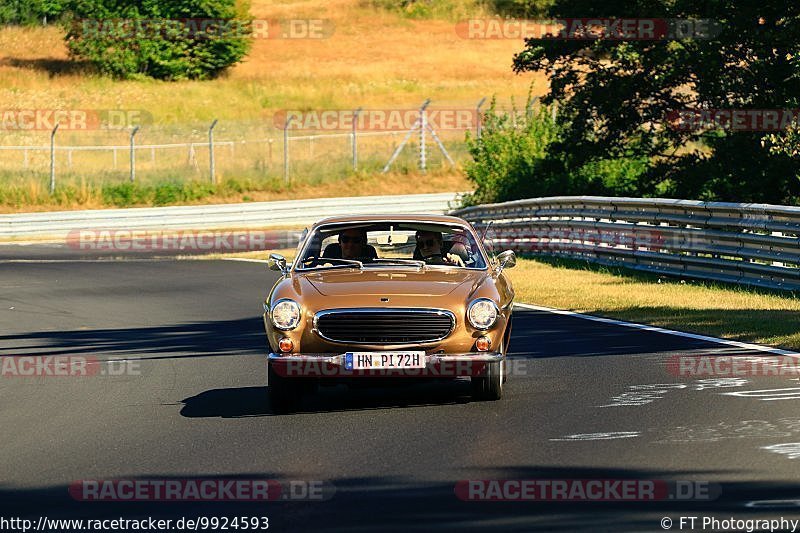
(378, 245)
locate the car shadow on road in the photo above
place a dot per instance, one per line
(252, 401)
(244, 336)
(402, 503)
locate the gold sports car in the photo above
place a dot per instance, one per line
(379, 297)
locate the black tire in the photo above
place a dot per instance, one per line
(283, 394)
(489, 387)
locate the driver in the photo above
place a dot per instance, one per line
(353, 243)
(429, 244)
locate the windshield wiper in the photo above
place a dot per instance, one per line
(343, 262)
(415, 262)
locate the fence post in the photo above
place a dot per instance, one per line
(529, 108)
(478, 117)
(133, 154)
(355, 139)
(53, 159)
(423, 125)
(211, 151)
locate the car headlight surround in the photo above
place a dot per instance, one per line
(482, 313)
(285, 314)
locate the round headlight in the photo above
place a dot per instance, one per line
(482, 313)
(286, 314)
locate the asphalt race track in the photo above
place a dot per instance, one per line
(585, 400)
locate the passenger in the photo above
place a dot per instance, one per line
(429, 244)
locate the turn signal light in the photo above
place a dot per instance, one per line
(483, 343)
(285, 344)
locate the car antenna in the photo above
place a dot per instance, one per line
(485, 231)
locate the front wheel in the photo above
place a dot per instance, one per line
(490, 386)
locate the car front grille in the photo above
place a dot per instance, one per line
(384, 326)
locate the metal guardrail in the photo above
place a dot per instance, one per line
(749, 244)
(290, 213)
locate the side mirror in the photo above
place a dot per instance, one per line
(278, 262)
(505, 260)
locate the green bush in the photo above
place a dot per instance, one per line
(456, 9)
(514, 159)
(180, 39)
(507, 158)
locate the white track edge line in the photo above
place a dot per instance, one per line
(746, 345)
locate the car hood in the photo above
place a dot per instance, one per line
(394, 282)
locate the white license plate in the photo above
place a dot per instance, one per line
(383, 360)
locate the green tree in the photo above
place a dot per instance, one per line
(615, 97)
(29, 12)
(179, 39)
(507, 157)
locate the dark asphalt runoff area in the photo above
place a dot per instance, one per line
(178, 392)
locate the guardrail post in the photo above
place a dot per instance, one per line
(53, 160)
(211, 151)
(133, 153)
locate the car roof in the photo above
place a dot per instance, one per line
(441, 219)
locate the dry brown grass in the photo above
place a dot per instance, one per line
(373, 58)
(356, 185)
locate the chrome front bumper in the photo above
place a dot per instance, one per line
(333, 365)
(338, 359)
